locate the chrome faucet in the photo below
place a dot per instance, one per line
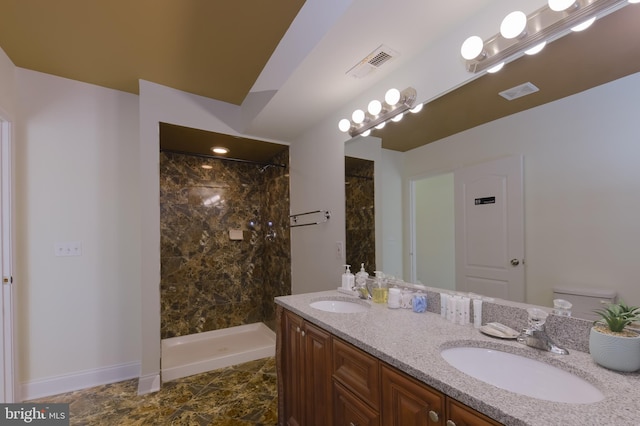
(363, 289)
(536, 336)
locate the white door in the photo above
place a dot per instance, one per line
(489, 217)
(7, 390)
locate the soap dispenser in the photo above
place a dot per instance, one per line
(380, 290)
(361, 277)
(348, 279)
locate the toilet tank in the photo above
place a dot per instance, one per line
(585, 300)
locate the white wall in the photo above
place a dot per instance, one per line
(581, 185)
(317, 183)
(75, 178)
(7, 84)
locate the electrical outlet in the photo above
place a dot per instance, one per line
(71, 248)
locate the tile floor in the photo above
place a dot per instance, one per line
(241, 395)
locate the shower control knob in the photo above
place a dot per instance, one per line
(515, 262)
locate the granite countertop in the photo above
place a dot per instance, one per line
(412, 342)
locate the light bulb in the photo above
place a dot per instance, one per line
(392, 96)
(472, 48)
(560, 5)
(513, 25)
(374, 107)
(417, 108)
(220, 150)
(586, 24)
(358, 116)
(496, 68)
(536, 49)
(397, 118)
(344, 125)
(366, 133)
(381, 125)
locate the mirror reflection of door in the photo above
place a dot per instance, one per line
(490, 229)
(433, 261)
(360, 214)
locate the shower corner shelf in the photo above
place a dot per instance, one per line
(315, 217)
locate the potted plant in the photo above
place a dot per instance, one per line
(611, 343)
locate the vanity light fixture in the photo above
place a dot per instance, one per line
(520, 33)
(378, 113)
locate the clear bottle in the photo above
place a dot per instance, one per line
(380, 290)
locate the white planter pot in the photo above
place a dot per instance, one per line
(615, 352)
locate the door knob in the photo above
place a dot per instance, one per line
(515, 262)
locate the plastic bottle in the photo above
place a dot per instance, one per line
(361, 276)
(380, 290)
(348, 279)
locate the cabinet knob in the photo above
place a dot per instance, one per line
(302, 333)
(353, 424)
(451, 423)
(297, 329)
(433, 416)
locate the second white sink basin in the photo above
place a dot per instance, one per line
(341, 306)
(522, 375)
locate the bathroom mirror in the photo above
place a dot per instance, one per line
(580, 181)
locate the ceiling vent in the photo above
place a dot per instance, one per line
(519, 91)
(372, 62)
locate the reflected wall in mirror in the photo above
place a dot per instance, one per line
(581, 189)
(360, 213)
(434, 256)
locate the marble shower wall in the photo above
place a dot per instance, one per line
(360, 214)
(209, 281)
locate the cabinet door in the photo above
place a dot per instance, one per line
(292, 368)
(350, 411)
(461, 415)
(317, 376)
(406, 402)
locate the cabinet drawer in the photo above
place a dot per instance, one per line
(350, 411)
(357, 371)
(461, 415)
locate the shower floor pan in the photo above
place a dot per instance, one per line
(184, 356)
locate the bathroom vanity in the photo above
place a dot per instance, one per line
(381, 366)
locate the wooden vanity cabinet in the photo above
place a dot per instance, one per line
(325, 381)
(306, 358)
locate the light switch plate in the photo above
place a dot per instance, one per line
(70, 248)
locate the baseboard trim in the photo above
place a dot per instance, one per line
(148, 384)
(79, 380)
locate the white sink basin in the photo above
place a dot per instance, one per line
(341, 306)
(522, 375)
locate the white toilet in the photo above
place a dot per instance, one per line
(585, 300)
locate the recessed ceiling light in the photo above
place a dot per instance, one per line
(220, 150)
